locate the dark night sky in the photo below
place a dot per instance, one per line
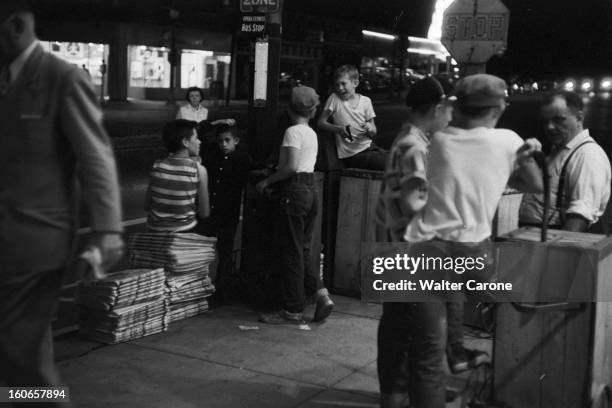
(546, 38)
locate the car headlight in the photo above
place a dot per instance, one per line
(569, 85)
(586, 85)
(605, 84)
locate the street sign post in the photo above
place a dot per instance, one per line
(259, 6)
(475, 30)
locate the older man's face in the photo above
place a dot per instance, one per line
(561, 123)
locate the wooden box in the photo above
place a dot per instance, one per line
(359, 192)
(507, 214)
(558, 355)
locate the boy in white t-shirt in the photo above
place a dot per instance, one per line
(352, 122)
(294, 182)
(469, 165)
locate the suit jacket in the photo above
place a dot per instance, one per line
(51, 133)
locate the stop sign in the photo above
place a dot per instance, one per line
(475, 30)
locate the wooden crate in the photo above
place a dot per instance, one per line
(359, 192)
(557, 356)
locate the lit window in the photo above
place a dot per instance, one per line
(149, 66)
(88, 56)
(204, 69)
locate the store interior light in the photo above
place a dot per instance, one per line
(422, 51)
(378, 35)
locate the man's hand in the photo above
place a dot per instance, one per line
(525, 152)
(261, 186)
(111, 247)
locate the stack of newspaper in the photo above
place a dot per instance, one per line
(186, 259)
(123, 306)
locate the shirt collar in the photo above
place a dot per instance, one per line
(579, 138)
(422, 135)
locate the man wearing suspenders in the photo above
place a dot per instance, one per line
(579, 169)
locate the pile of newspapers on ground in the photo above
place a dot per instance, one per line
(170, 281)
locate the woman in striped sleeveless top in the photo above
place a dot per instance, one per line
(178, 191)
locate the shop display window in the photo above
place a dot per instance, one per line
(204, 69)
(149, 66)
(88, 56)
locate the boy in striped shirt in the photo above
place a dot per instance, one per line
(178, 190)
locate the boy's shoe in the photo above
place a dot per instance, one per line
(324, 305)
(282, 317)
(461, 359)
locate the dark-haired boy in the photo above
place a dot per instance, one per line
(178, 190)
(227, 170)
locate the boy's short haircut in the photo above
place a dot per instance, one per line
(175, 132)
(350, 70)
(427, 93)
(194, 89)
(225, 128)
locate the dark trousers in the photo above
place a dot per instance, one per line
(297, 201)
(454, 318)
(373, 158)
(411, 344)
(225, 248)
(26, 342)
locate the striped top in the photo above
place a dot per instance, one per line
(174, 188)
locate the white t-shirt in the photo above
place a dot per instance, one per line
(303, 138)
(468, 171)
(346, 113)
(189, 113)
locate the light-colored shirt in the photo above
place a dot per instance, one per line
(587, 183)
(188, 112)
(355, 116)
(407, 160)
(303, 138)
(468, 170)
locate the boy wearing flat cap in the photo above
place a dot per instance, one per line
(294, 182)
(469, 166)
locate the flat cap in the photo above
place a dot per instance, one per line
(481, 90)
(303, 99)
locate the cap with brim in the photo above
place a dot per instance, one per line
(424, 92)
(303, 99)
(481, 90)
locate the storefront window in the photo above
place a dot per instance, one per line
(204, 69)
(88, 56)
(149, 66)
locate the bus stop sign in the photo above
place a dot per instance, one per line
(475, 30)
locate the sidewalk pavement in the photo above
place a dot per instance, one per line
(211, 361)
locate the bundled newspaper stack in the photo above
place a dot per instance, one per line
(123, 306)
(186, 259)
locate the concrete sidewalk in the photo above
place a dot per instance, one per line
(209, 361)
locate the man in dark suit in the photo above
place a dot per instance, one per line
(51, 134)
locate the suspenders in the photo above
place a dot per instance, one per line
(562, 176)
